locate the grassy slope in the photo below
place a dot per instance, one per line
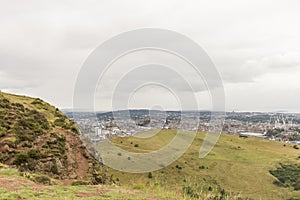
(15, 187)
(27, 102)
(238, 165)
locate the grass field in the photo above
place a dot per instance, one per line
(239, 166)
(15, 187)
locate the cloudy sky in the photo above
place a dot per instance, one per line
(255, 45)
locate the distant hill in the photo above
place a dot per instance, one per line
(36, 137)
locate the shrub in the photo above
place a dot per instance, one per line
(150, 175)
(138, 187)
(188, 190)
(75, 130)
(295, 147)
(37, 101)
(21, 158)
(54, 169)
(59, 122)
(287, 175)
(202, 167)
(136, 145)
(2, 131)
(178, 167)
(34, 153)
(4, 103)
(3, 157)
(297, 184)
(27, 144)
(43, 179)
(20, 106)
(80, 182)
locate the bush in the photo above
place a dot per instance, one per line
(54, 169)
(188, 190)
(75, 130)
(27, 144)
(287, 175)
(80, 182)
(150, 175)
(34, 153)
(3, 131)
(21, 158)
(60, 122)
(295, 147)
(136, 145)
(37, 101)
(43, 179)
(178, 167)
(3, 157)
(297, 184)
(4, 103)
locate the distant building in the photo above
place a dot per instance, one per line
(259, 135)
(98, 131)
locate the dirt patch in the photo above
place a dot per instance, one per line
(14, 184)
(91, 194)
(77, 155)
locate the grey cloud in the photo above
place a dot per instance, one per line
(8, 83)
(44, 43)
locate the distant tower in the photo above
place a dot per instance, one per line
(98, 131)
(291, 122)
(277, 122)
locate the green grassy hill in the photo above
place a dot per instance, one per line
(237, 166)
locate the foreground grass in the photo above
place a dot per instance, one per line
(72, 192)
(13, 186)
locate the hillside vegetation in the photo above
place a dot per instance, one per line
(36, 137)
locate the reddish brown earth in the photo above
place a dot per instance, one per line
(77, 155)
(14, 184)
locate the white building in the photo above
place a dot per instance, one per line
(98, 131)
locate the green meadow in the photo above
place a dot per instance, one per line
(237, 166)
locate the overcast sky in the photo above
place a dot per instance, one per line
(254, 44)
